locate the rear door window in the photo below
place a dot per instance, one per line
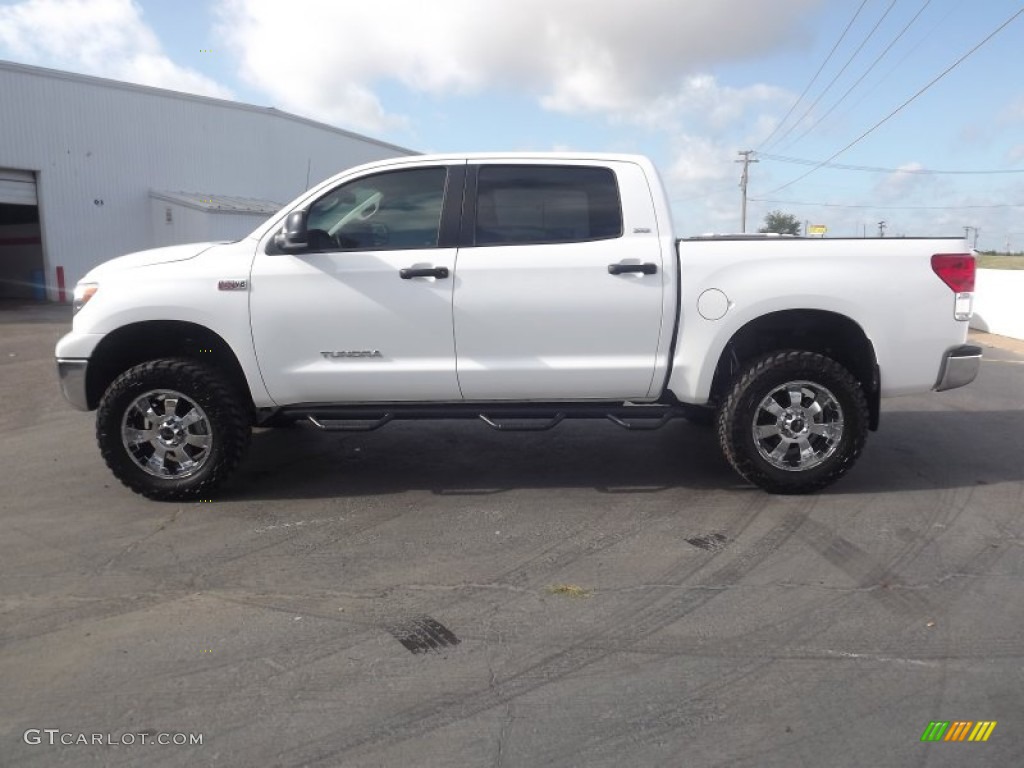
(524, 204)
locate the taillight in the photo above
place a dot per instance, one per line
(956, 270)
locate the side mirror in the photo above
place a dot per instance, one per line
(293, 236)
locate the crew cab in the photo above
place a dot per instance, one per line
(519, 289)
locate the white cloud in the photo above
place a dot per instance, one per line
(698, 158)
(99, 37)
(1013, 112)
(902, 183)
(328, 58)
(706, 124)
(701, 101)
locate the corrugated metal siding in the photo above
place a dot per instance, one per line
(186, 224)
(206, 201)
(99, 149)
(235, 226)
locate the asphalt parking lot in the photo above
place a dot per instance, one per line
(445, 595)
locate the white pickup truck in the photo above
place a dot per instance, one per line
(520, 289)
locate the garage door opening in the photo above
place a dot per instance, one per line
(22, 271)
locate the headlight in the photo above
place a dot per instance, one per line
(83, 292)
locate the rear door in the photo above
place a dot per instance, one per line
(559, 283)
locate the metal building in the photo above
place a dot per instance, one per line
(92, 168)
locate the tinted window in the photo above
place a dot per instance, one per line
(398, 209)
(546, 204)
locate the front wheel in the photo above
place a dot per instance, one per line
(794, 422)
(172, 429)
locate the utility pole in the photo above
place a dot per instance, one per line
(967, 235)
(747, 160)
(881, 228)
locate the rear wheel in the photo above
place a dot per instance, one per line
(794, 422)
(172, 429)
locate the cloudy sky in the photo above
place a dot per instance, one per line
(859, 83)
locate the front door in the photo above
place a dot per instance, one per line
(365, 313)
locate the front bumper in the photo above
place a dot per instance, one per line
(959, 367)
(72, 382)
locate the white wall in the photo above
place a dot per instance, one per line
(100, 146)
(189, 225)
(999, 302)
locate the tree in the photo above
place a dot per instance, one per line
(783, 223)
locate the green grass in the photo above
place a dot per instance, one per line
(990, 260)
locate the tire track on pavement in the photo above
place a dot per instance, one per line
(647, 617)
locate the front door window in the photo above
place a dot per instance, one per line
(388, 211)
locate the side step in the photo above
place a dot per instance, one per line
(503, 417)
(551, 423)
(353, 425)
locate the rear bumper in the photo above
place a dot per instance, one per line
(959, 367)
(72, 382)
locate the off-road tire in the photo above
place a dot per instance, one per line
(739, 412)
(225, 414)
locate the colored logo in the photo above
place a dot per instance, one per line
(958, 730)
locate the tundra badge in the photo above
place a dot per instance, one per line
(351, 353)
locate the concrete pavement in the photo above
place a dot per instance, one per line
(406, 596)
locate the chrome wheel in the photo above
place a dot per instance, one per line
(166, 434)
(798, 426)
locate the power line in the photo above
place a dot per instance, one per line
(816, 74)
(838, 74)
(901, 107)
(876, 169)
(867, 72)
(926, 37)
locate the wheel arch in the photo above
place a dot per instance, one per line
(829, 333)
(141, 342)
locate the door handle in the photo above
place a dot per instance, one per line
(410, 272)
(620, 269)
